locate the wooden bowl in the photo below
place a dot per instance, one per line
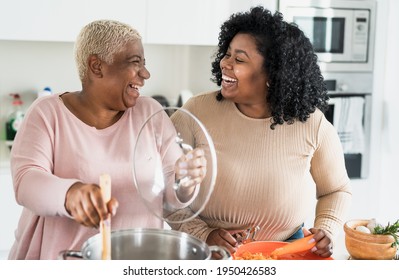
(366, 246)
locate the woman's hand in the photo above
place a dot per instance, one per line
(190, 171)
(85, 203)
(224, 238)
(324, 244)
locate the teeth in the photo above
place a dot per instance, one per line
(135, 87)
(228, 79)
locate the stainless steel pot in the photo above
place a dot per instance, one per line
(148, 244)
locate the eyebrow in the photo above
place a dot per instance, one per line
(239, 51)
(243, 52)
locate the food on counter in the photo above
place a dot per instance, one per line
(262, 250)
(253, 256)
(392, 230)
(299, 245)
(363, 229)
(375, 228)
(379, 245)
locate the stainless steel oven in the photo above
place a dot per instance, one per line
(342, 32)
(350, 113)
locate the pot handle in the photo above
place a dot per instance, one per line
(222, 251)
(63, 255)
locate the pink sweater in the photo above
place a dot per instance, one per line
(54, 149)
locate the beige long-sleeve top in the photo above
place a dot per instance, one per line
(266, 177)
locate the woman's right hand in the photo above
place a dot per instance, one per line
(222, 237)
(85, 203)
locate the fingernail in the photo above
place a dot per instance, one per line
(189, 156)
(311, 241)
(183, 164)
(314, 249)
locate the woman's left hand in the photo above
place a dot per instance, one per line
(324, 244)
(190, 171)
(191, 168)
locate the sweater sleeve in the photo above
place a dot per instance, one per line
(195, 227)
(36, 188)
(332, 182)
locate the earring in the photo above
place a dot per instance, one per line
(267, 84)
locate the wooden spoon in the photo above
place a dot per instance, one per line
(105, 225)
(297, 246)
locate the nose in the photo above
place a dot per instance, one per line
(225, 63)
(144, 73)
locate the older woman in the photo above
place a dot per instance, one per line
(276, 150)
(68, 140)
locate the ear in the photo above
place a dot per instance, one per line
(95, 66)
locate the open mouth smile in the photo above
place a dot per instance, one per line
(136, 87)
(228, 81)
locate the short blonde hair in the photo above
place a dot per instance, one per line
(104, 38)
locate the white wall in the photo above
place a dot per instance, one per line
(388, 194)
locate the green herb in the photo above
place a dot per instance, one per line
(392, 230)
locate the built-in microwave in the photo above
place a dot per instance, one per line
(342, 32)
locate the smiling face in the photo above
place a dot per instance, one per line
(243, 77)
(124, 77)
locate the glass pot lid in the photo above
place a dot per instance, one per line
(160, 146)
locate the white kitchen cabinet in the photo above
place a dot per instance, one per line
(172, 22)
(49, 20)
(183, 22)
(192, 22)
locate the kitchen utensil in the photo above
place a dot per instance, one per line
(148, 244)
(247, 235)
(267, 247)
(299, 245)
(162, 184)
(105, 225)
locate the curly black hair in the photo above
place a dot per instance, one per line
(296, 85)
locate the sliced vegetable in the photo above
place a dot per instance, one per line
(298, 245)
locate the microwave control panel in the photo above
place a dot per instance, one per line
(360, 35)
